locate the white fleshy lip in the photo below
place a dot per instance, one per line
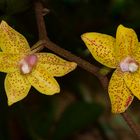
(129, 65)
(28, 63)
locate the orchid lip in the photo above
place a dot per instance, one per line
(28, 63)
(129, 65)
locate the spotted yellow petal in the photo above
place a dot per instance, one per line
(101, 47)
(132, 81)
(9, 62)
(43, 82)
(16, 87)
(11, 41)
(119, 94)
(136, 54)
(55, 65)
(126, 42)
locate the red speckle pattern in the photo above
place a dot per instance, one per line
(55, 65)
(43, 66)
(16, 86)
(120, 96)
(43, 82)
(129, 100)
(9, 62)
(126, 42)
(101, 47)
(11, 40)
(132, 80)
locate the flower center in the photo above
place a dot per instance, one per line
(129, 65)
(27, 63)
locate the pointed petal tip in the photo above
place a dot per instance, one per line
(58, 90)
(55, 91)
(69, 66)
(85, 35)
(10, 103)
(88, 38)
(3, 23)
(122, 27)
(73, 65)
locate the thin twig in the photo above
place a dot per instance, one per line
(38, 46)
(62, 52)
(131, 124)
(82, 63)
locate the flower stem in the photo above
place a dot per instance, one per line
(37, 46)
(81, 63)
(131, 124)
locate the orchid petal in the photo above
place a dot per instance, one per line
(136, 54)
(55, 65)
(43, 81)
(126, 42)
(101, 47)
(16, 87)
(120, 95)
(11, 41)
(132, 81)
(9, 62)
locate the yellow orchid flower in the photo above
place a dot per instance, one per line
(25, 68)
(122, 53)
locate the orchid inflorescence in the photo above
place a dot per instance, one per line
(26, 67)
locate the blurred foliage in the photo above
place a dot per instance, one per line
(82, 110)
(76, 117)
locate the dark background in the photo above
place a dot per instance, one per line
(82, 109)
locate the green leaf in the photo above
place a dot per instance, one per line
(77, 116)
